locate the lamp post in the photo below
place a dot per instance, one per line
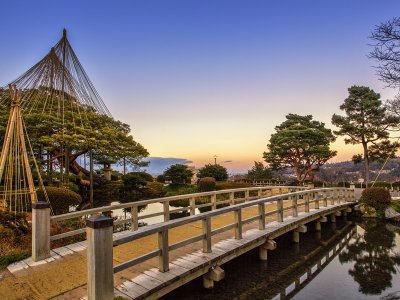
(215, 159)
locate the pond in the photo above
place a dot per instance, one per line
(357, 259)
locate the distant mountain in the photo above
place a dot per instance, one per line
(159, 164)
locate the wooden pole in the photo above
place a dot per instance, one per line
(91, 176)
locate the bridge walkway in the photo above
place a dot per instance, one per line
(65, 276)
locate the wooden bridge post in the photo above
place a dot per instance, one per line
(279, 204)
(163, 257)
(238, 222)
(259, 193)
(207, 235)
(263, 249)
(296, 233)
(232, 198)
(332, 197)
(40, 230)
(214, 202)
(325, 195)
(294, 204)
(134, 218)
(246, 195)
(192, 202)
(318, 223)
(306, 198)
(166, 211)
(100, 285)
(261, 213)
(316, 199)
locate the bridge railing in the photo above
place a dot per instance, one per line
(195, 202)
(41, 220)
(270, 206)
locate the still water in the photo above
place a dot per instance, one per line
(349, 260)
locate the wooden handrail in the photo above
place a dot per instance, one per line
(165, 201)
(313, 196)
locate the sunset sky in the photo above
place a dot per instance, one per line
(199, 78)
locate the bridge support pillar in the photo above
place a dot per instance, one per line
(318, 223)
(263, 249)
(40, 230)
(296, 233)
(215, 274)
(100, 285)
(333, 218)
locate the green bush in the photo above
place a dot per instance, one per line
(133, 181)
(9, 259)
(160, 178)
(14, 221)
(383, 184)
(376, 197)
(227, 185)
(395, 205)
(60, 198)
(207, 184)
(216, 171)
(154, 190)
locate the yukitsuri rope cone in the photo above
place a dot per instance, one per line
(58, 87)
(18, 190)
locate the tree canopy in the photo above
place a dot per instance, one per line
(259, 171)
(386, 51)
(67, 137)
(301, 143)
(367, 123)
(178, 174)
(216, 171)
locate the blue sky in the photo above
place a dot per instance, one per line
(199, 78)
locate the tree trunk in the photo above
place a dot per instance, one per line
(366, 164)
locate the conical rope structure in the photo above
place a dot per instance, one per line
(58, 88)
(15, 168)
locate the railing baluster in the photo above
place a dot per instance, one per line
(192, 206)
(246, 195)
(294, 204)
(214, 202)
(279, 204)
(207, 235)
(232, 198)
(134, 218)
(261, 213)
(166, 211)
(325, 195)
(332, 197)
(259, 193)
(238, 222)
(306, 198)
(316, 198)
(163, 257)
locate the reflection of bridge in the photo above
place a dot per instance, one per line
(150, 261)
(319, 258)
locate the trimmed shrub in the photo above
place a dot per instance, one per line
(14, 221)
(154, 190)
(383, 184)
(376, 197)
(207, 184)
(60, 198)
(227, 185)
(161, 178)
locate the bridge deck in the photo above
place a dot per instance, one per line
(65, 276)
(151, 283)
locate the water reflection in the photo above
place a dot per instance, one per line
(374, 257)
(361, 258)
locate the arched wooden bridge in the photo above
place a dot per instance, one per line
(150, 261)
